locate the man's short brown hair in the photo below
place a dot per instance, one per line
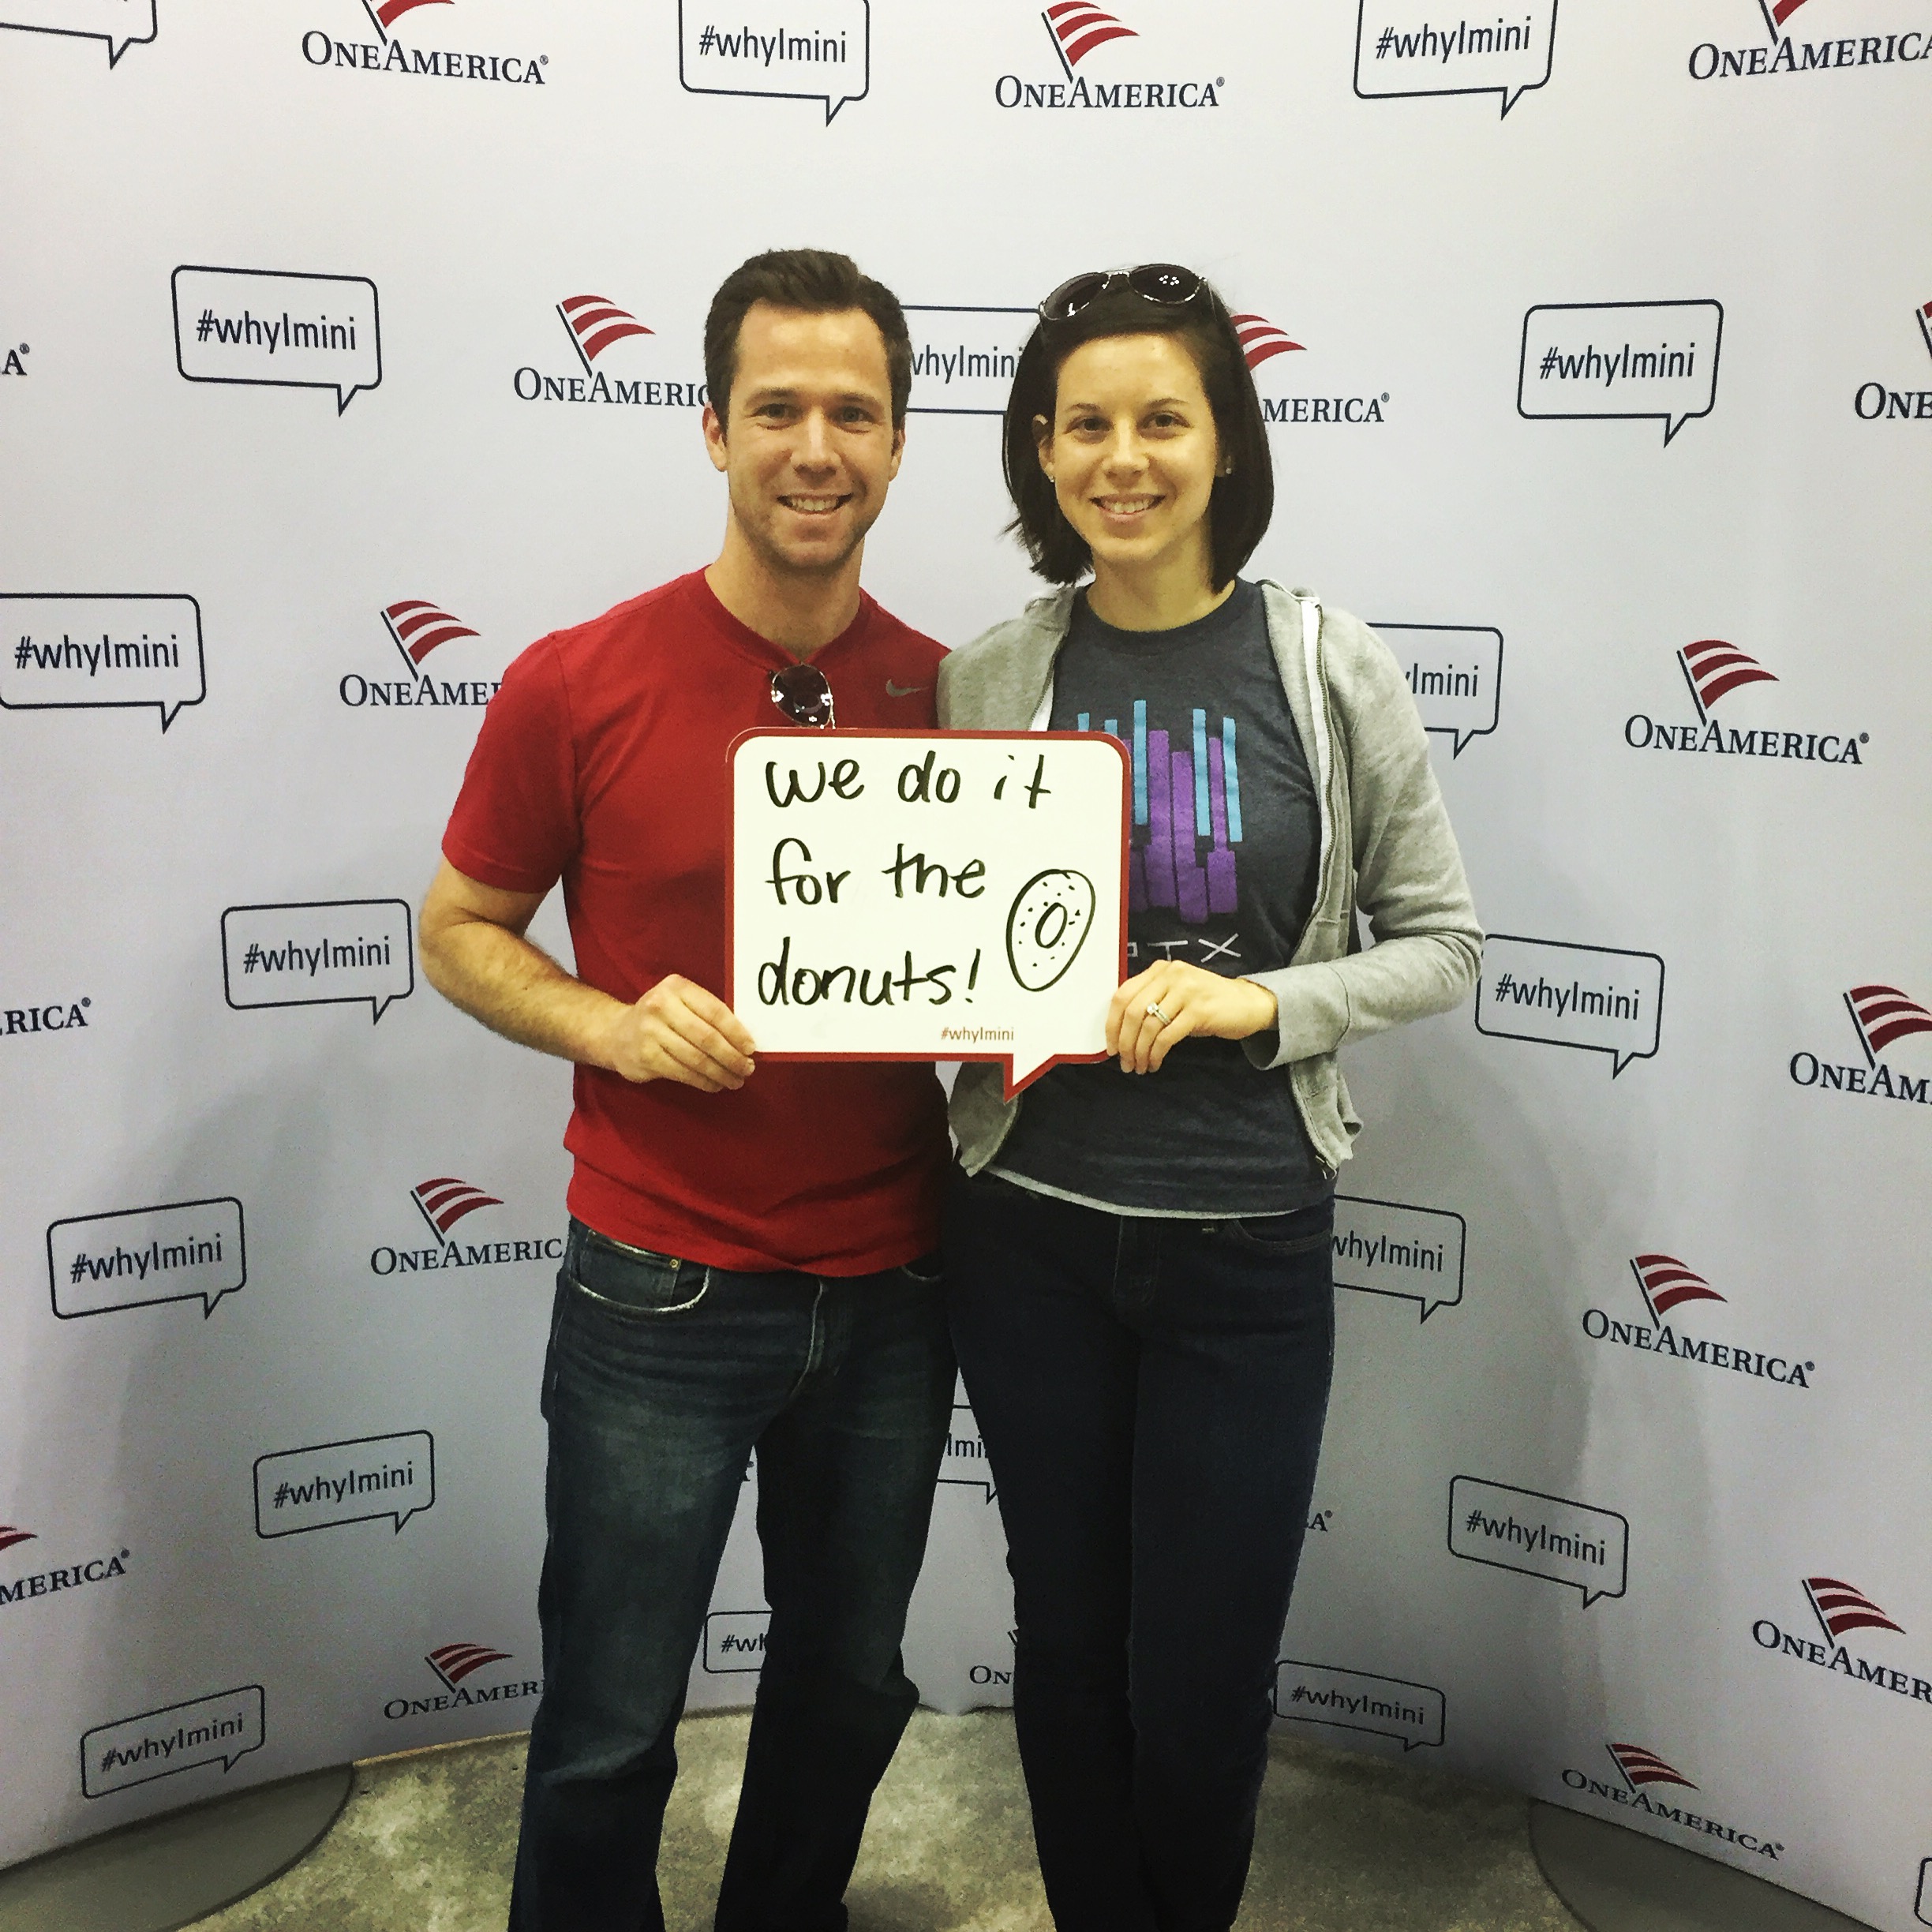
(817, 282)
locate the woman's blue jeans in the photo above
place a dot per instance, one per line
(663, 1377)
(1151, 1394)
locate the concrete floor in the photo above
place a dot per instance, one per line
(1347, 1843)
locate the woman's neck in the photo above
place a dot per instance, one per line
(1160, 595)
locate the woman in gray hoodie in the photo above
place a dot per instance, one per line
(1138, 1253)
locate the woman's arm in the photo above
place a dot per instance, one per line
(1409, 876)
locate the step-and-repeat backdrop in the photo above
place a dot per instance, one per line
(348, 345)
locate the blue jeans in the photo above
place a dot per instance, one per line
(663, 1376)
(1151, 1394)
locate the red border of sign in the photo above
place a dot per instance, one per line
(856, 736)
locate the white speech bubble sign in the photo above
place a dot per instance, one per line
(1603, 999)
(1359, 1700)
(221, 1728)
(361, 1480)
(319, 952)
(1922, 1906)
(964, 1464)
(272, 326)
(135, 1257)
(1615, 359)
(1401, 51)
(929, 896)
(1389, 1248)
(122, 24)
(784, 49)
(964, 358)
(1454, 671)
(735, 1641)
(78, 651)
(1539, 1536)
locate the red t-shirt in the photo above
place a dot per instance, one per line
(601, 762)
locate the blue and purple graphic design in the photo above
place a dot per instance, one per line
(1187, 819)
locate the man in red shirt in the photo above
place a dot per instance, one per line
(750, 1262)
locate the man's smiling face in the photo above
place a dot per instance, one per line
(807, 444)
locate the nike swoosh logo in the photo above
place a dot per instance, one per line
(902, 690)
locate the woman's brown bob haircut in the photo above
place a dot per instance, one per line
(819, 282)
(1243, 500)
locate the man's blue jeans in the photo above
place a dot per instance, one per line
(1151, 1394)
(663, 1377)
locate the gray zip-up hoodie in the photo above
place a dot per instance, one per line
(1396, 859)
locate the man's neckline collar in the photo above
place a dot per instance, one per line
(755, 644)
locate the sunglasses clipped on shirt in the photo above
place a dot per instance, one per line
(801, 692)
(1165, 284)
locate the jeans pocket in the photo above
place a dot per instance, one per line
(635, 1283)
(1304, 1230)
(927, 1271)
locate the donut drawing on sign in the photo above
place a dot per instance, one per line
(1048, 927)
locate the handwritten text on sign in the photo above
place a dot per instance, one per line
(954, 897)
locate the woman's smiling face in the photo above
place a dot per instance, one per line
(1132, 450)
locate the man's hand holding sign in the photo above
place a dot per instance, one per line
(914, 896)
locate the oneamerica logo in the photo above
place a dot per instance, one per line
(1880, 1015)
(442, 1203)
(48, 1582)
(416, 627)
(994, 1673)
(1261, 341)
(1873, 402)
(1839, 1608)
(1664, 1282)
(591, 324)
(56, 1016)
(1711, 669)
(1074, 29)
(1637, 1770)
(385, 55)
(453, 1663)
(1786, 55)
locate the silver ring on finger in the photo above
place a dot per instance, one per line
(1155, 1013)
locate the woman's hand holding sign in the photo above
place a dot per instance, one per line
(1151, 1012)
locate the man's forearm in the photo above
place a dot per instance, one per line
(518, 990)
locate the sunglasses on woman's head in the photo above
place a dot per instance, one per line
(800, 692)
(1165, 284)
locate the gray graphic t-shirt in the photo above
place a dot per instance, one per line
(1225, 845)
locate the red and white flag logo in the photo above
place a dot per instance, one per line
(1925, 323)
(444, 1202)
(1641, 1767)
(1714, 667)
(1777, 12)
(1882, 1014)
(1839, 1608)
(1666, 1282)
(1260, 338)
(595, 322)
(9, 1536)
(1078, 29)
(385, 14)
(453, 1662)
(419, 627)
